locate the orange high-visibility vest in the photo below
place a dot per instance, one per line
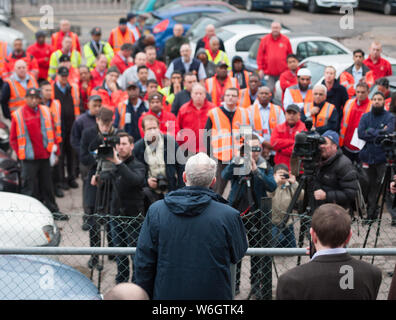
(349, 105)
(246, 74)
(387, 103)
(18, 92)
(244, 98)
(3, 56)
(55, 37)
(121, 112)
(75, 95)
(55, 108)
(25, 147)
(322, 117)
(225, 137)
(297, 97)
(120, 39)
(348, 81)
(257, 121)
(211, 87)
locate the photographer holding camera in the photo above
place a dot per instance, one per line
(372, 126)
(336, 180)
(127, 201)
(92, 139)
(158, 152)
(245, 196)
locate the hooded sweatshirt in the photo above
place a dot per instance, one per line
(186, 245)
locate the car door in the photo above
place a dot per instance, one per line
(243, 45)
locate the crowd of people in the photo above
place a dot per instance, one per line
(165, 109)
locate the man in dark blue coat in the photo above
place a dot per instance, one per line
(372, 124)
(189, 239)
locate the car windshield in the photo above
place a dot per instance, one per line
(317, 70)
(254, 48)
(197, 30)
(140, 5)
(152, 20)
(224, 34)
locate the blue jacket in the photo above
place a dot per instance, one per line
(369, 129)
(263, 181)
(186, 245)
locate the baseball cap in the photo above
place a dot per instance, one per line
(155, 95)
(304, 72)
(113, 69)
(96, 31)
(95, 97)
(332, 135)
(64, 58)
(33, 92)
(130, 15)
(293, 107)
(63, 71)
(131, 84)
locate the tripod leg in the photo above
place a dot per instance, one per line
(100, 266)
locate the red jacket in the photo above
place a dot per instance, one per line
(57, 38)
(159, 69)
(33, 125)
(120, 64)
(32, 65)
(189, 117)
(110, 102)
(42, 53)
(282, 140)
(286, 80)
(167, 122)
(96, 78)
(272, 54)
(380, 69)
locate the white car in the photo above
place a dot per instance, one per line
(9, 35)
(314, 6)
(304, 45)
(26, 222)
(238, 38)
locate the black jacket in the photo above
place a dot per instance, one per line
(83, 122)
(337, 95)
(127, 199)
(174, 170)
(338, 178)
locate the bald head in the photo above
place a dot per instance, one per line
(210, 30)
(140, 59)
(126, 291)
(275, 29)
(375, 50)
(320, 93)
(67, 44)
(20, 69)
(64, 25)
(178, 30)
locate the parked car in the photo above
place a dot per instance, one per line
(386, 6)
(202, 3)
(392, 86)
(304, 46)
(26, 222)
(197, 29)
(28, 277)
(238, 38)
(9, 168)
(5, 12)
(249, 5)
(9, 35)
(315, 6)
(161, 24)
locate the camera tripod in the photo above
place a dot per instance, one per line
(102, 209)
(308, 204)
(382, 194)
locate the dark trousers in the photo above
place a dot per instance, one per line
(353, 156)
(125, 233)
(37, 183)
(67, 158)
(220, 182)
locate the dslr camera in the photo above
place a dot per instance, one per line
(105, 150)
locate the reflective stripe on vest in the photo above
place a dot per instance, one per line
(55, 109)
(18, 92)
(225, 137)
(72, 35)
(297, 96)
(25, 147)
(324, 115)
(349, 105)
(75, 95)
(244, 99)
(120, 39)
(211, 87)
(275, 112)
(122, 112)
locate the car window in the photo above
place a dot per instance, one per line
(224, 34)
(317, 70)
(187, 18)
(301, 51)
(262, 22)
(253, 49)
(242, 21)
(321, 48)
(160, 3)
(245, 43)
(197, 29)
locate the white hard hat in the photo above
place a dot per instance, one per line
(304, 72)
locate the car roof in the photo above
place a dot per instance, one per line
(340, 62)
(22, 203)
(204, 2)
(245, 28)
(175, 12)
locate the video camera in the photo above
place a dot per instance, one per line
(387, 141)
(307, 143)
(105, 150)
